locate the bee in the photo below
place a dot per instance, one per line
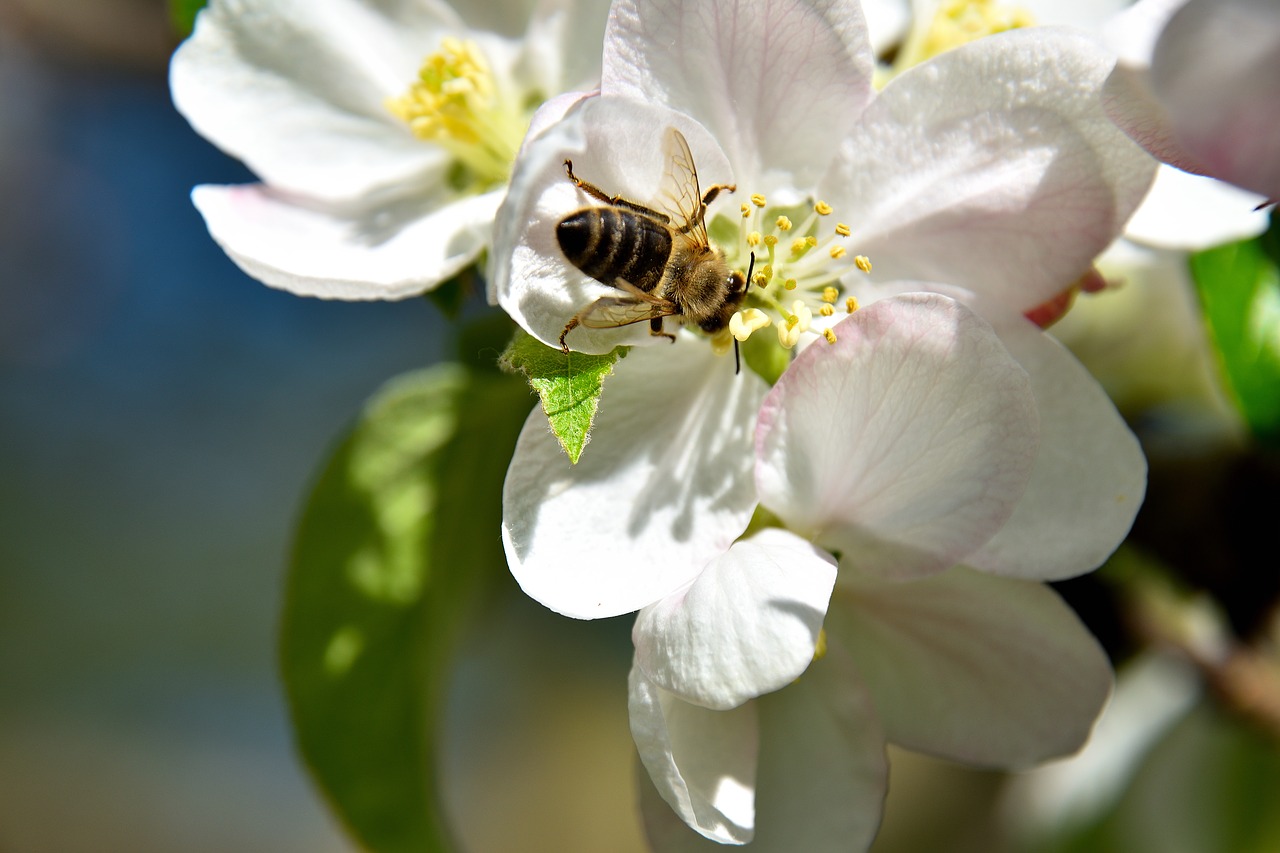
(660, 261)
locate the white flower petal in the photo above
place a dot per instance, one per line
(906, 444)
(972, 667)
(1085, 14)
(617, 145)
(317, 250)
(1090, 474)
(1215, 68)
(663, 488)
(702, 762)
(887, 23)
(747, 626)
(1132, 34)
(1192, 213)
(1011, 189)
(297, 90)
(778, 83)
(561, 51)
(822, 770)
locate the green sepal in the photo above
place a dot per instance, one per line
(1239, 289)
(395, 550)
(569, 385)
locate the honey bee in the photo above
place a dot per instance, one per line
(661, 261)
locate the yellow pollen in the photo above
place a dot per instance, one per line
(749, 320)
(830, 335)
(842, 229)
(789, 284)
(826, 310)
(783, 223)
(822, 209)
(758, 200)
(863, 263)
(760, 280)
(837, 251)
(799, 245)
(830, 294)
(770, 240)
(455, 103)
(851, 305)
(746, 210)
(754, 238)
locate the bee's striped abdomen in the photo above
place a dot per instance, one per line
(610, 243)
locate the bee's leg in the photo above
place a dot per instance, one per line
(711, 193)
(615, 200)
(655, 329)
(569, 327)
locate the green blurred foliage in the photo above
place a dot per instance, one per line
(395, 552)
(1239, 289)
(182, 15)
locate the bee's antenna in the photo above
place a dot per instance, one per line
(751, 268)
(737, 359)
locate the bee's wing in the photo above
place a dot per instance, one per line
(679, 193)
(634, 306)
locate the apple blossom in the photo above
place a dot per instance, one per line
(1197, 87)
(936, 440)
(383, 132)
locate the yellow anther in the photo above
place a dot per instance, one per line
(455, 103)
(837, 252)
(760, 280)
(822, 209)
(863, 263)
(770, 240)
(758, 200)
(799, 246)
(811, 240)
(767, 272)
(789, 284)
(851, 305)
(746, 210)
(826, 310)
(802, 314)
(830, 335)
(754, 238)
(749, 320)
(830, 294)
(783, 223)
(820, 647)
(842, 229)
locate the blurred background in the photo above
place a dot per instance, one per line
(162, 417)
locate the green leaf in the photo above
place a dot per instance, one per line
(182, 15)
(568, 383)
(1239, 289)
(395, 550)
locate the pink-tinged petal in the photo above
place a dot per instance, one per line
(701, 762)
(1216, 68)
(747, 626)
(1130, 103)
(991, 166)
(987, 670)
(617, 145)
(906, 444)
(319, 250)
(298, 90)
(777, 82)
(662, 489)
(1090, 473)
(1192, 213)
(822, 771)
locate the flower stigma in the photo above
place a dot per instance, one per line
(456, 103)
(799, 260)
